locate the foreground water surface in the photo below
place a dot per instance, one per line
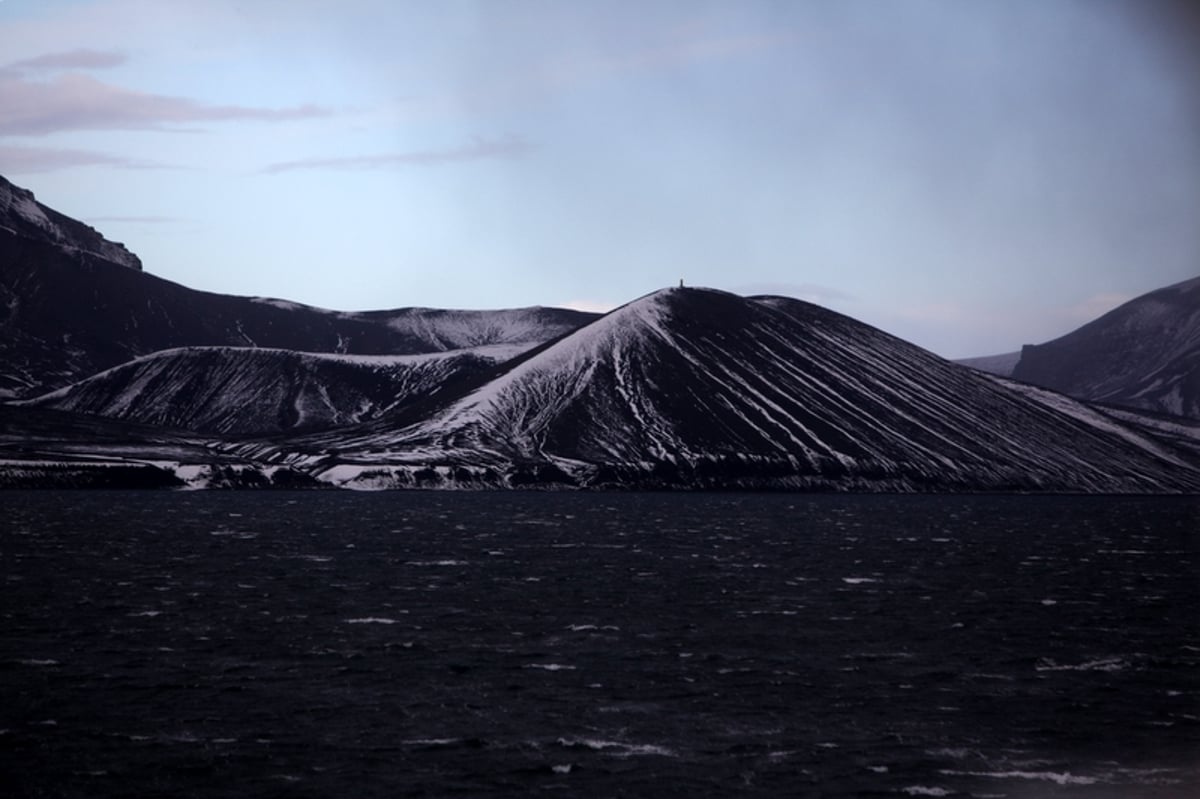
(580, 644)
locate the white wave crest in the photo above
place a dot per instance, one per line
(371, 620)
(1057, 777)
(617, 748)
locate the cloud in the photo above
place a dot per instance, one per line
(73, 101)
(812, 292)
(960, 330)
(1094, 307)
(71, 59)
(948, 312)
(28, 160)
(478, 150)
(133, 220)
(590, 306)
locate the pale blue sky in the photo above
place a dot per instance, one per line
(968, 174)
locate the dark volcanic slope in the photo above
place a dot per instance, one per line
(1144, 354)
(70, 306)
(244, 391)
(699, 387)
(42, 448)
(23, 216)
(63, 319)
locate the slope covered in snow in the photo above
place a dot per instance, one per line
(699, 388)
(243, 391)
(453, 329)
(1144, 354)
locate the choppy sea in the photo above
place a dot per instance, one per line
(327, 644)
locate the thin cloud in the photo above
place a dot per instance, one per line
(814, 292)
(74, 101)
(1095, 306)
(71, 59)
(976, 329)
(477, 150)
(591, 306)
(30, 160)
(132, 220)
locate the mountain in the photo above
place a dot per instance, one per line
(21, 215)
(73, 304)
(683, 388)
(128, 379)
(700, 388)
(243, 391)
(1144, 354)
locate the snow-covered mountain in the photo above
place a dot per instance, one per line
(129, 379)
(1144, 354)
(244, 391)
(683, 388)
(700, 388)
(71, 306)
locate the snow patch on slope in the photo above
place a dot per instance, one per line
(288, 305)
(28, 209)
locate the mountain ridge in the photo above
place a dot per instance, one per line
(244, 391)
(687, 387)
(1144, 354)
(124, 373)
(71, 305)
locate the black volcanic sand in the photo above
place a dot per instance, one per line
(575, 644)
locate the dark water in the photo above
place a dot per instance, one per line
(415, 644)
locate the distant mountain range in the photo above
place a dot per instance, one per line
(120, 378)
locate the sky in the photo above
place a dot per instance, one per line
(970, 175)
